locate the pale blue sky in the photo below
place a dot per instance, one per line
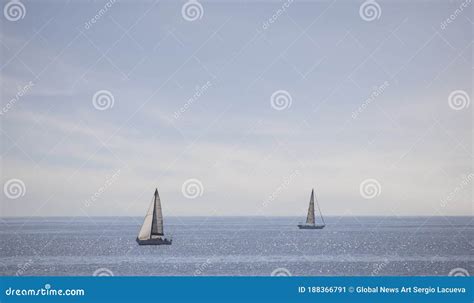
(230, 138)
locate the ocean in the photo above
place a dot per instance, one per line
(238, 246)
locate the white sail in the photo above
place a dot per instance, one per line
(310, 217)
(145, 231)
(153, 223)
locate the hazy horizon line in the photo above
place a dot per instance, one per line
(236, 216)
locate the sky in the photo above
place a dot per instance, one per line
(236, 107)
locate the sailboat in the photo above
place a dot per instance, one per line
(151, 232)
(310, 220)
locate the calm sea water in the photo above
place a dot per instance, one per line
(238, 246)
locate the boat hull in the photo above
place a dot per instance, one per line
(156, 241)
(305, 226)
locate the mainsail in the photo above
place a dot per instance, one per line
(153, 223)
(310, 217)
